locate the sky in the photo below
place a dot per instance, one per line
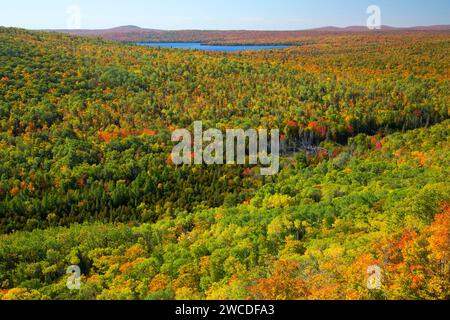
(218, 14)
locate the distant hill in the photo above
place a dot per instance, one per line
(136, 34)
(383, 28)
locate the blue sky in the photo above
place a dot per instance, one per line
(221, 14)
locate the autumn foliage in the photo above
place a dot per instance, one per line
(86, 177)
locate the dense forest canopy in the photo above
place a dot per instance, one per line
(86, 179)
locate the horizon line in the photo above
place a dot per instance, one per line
(254, 30)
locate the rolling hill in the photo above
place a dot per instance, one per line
(137, 34)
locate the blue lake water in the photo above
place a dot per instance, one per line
(205, 47)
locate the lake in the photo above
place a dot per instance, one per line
(214, 48)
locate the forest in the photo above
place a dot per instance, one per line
(86, 177)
